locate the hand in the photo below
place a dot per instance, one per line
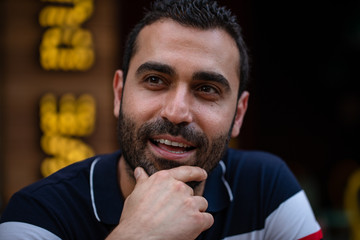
(163, 206)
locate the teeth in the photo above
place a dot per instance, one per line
(170, 143)
(176, 152)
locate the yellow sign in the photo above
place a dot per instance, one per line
(65, 45)
(62, 128)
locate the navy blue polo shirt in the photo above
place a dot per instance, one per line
(252, 195)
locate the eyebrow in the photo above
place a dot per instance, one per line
(212, 77)
(155, 66)
(167, 69)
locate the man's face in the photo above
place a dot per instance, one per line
(179, 105)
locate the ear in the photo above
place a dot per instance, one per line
(240, 113)
(117, 87)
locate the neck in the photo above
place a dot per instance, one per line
(127, 180)
(125, 177)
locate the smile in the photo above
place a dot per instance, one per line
(172, 146)
(170, 143)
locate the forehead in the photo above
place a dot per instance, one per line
(182, 46)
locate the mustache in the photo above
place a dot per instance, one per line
(164, 126)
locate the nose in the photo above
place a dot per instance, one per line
(177, 106)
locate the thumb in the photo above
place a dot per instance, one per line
(140, 174)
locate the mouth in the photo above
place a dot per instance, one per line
(174, 147)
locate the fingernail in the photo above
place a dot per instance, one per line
(137, 173)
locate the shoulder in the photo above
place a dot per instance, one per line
(261, 167)
(262, 176)
(265, 188)
(51, 202)
(70, 178)
(253, 159)
(56, 186)
(10, 231)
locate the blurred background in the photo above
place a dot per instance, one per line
(58, 59)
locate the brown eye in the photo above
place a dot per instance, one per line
(209, 92)
(154, 80)
(208, 89)
(154, 83)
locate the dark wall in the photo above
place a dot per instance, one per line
(306, 74)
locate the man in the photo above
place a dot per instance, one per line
(179, 99)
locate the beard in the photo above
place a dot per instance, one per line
(133, 143)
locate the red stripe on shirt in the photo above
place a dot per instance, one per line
(315, 236)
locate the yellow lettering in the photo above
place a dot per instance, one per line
(65, 45)
(62, 129)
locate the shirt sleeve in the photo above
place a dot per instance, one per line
(294, 214)
(26, 211)
(290, 215)
(20, 231)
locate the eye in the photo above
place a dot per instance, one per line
(208, 89)
(209, 92)
(154, 83)
(154, 80)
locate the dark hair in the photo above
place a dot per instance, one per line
(202, 14)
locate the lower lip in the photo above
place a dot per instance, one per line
(162, 153)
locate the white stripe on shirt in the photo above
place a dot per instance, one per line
(21, 231)
(294, 214)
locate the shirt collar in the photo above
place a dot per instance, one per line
(107, 201)
(217, 190)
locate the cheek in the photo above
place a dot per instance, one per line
(138, 106)
(215, 121)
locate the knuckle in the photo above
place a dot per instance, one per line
(179, 186)
(206, 220)
(189, 171)
(198, 219)
(189, 203)
(163, 174)
(194, 172)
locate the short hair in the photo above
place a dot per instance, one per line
(201, 14)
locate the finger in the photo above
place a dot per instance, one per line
(201, 202)
(188, 173)
(140, 174)
(208, 220)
